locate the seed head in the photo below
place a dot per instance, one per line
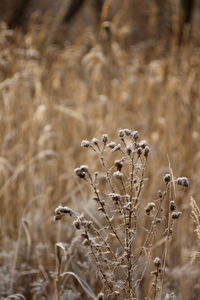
(172, 205)
(118, 175)
(84, 168)
(129, 150)
(111, 145)
(139, 151)
(150, 206)
(77, 223)
(157, 262)
(135, 134)
(95, 141)
(115, 197)
(121, 133)
(143, 144)
(85, 143)
(127, 132)
(167, 178)
(116, 148)
(104, 138)
(100, 296)
(60, 211)
(119, 164)
(183, 181)
(146, 151)
(80, 172)
(176, 215)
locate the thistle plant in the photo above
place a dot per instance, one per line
(121, 263)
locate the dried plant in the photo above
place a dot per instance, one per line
(120, 205)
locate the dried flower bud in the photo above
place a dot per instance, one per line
(139, 151)
(143, 144)
(77, 223)
(79, 172)
(111, 145)
(121, 133)
(129, 150)
(118, 175)
(160, 194)
(119, 164)
(183, 181)
(150, 206)
(127, 132)
(157, 262)
(146, 151)
(115, 197)
(135, 134)
(85, 143)
(167, 178)
(116, 148)
(61, 211)
(104, 138)
(95, 141)
(84, 168)
(176, 215)
(172, 205)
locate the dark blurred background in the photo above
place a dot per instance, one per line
(146, 19)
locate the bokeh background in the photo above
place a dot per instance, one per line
(71, 70)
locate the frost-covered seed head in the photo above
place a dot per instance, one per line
(62, 210)
(157, 262)
(143, 144)
(111, 145)
(119, 164)
(127, 132)
(150, 206)
(77, 223)
(172, 205)
(84, 168)
(135, 134)
(100, 296)
(183, 181)
(115, 197)
(129, 150)
(85, 143)
(104, 138)
(146, 151)
(139, 151)
(121, 133)
(95, 141)
(116, 148)
(176, 215)
(80, 173)
(118, 175)
(167, 177)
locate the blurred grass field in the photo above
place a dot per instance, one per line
(50, 100)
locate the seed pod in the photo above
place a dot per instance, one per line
(104, 138)
(85, 143)
(176, 215)
(118, 175)
(119, 164)
(157, 262)
(167, 178)
(172, 205)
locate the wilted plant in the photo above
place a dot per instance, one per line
(120, 206)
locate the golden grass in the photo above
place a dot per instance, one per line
(49, 102)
